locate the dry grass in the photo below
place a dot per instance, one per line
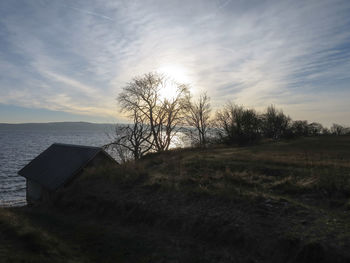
(274, 202)
(315, 167)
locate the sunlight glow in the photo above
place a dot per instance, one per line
(177, 74)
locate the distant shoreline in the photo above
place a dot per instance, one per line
(57, 122)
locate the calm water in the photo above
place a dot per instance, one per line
(21, 143)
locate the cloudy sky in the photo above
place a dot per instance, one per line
(67, 60)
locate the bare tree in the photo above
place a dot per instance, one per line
(198, 115)
(338, 129)
(238, 125)
(163, 115)
(133, 139)
(275, 123)
(300, 128)
(315, 129)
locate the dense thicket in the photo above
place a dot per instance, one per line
(235, 124)
(238, 125)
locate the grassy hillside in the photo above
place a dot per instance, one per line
(275, 202)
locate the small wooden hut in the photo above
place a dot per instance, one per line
(57, 167)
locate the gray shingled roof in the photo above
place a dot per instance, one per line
(58, 163)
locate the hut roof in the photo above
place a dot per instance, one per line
(58, 163)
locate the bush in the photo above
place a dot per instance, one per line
(238, 125)
(338, 129)
(300, 128)
(276, 124)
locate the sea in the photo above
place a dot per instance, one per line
(20, 143)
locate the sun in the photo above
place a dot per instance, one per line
(176, 74)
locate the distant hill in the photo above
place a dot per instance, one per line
(56, 125)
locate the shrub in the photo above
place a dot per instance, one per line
(238, 125)
(276, 124)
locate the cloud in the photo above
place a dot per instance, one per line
(77, 58)
(80, 87)
(91, 13)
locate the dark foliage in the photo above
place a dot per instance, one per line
(238, 125)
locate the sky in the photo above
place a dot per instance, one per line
(66, 60)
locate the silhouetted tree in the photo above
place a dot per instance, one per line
(132, 140)
(163, 115)
(238, 125)
(326, 131)
(300, 128)
(338, 129)
(276, 124)
(198, 115)
(315, 129)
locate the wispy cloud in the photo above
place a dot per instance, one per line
(291, 53)
(91, 13)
